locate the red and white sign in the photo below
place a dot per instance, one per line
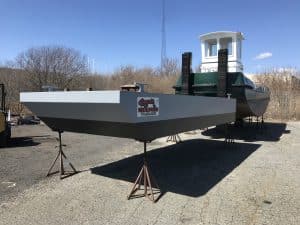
(147, 106)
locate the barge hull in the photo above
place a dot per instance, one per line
(121, 114)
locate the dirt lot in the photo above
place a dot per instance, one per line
(256, 180)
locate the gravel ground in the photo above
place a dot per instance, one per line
(33, 148)
(256, 180)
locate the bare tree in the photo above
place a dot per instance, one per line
(170, 67)
(52, 65)
(13, 80)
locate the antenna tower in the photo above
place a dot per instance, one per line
(163, 37)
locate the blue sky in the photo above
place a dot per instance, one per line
(116, 33)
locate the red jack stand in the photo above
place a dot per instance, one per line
(61, 155)
(145, 177)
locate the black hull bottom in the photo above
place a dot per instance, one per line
(251, 108)
(250, 102)
(140, 131)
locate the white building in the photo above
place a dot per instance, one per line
(211, 43)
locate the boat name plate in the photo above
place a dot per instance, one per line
(147, 106)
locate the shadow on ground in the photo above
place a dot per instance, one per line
(251, 132)
(190, 168)
(25, 141)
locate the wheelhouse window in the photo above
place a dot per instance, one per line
(239, 49)
(226, 43)
(211, 48)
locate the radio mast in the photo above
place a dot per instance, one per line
(163, 53)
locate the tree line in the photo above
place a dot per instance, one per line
(67, 68)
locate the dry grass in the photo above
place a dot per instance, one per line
(283, 84)
(285, 93)
(157, 81)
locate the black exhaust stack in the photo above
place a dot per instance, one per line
(222, 71)
(186, 74)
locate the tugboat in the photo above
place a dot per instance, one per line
(222, 75)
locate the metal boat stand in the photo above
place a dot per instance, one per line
(228, 134)
(61, 155)
(147, 180)
(250, 119)
(174, 138)
(260, 124)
